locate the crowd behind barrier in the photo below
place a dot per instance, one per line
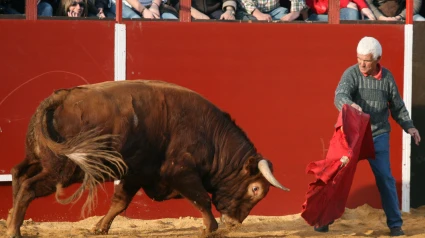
(245, 10)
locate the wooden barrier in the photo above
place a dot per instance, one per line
(276, 80)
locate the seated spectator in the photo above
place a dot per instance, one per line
(390, 10)
(147, 9)
(44, 7)
(214, 9)
(72, 8)
(349, 10)
(269, 10)
(100, 9)
(6, 7)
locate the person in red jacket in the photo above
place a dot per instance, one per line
(349, 10)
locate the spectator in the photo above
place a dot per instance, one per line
(349, 10)
(147, 9)
(214, 9)
(100, 9)
(268, 10)
(386, 10)
(44, 7)
(6, 7)
(72, 8)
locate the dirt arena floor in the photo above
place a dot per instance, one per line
(363, 221)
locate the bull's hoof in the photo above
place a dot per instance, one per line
(9, 217)
(215, 234)
(13, 235)
(205, 233)
(97, 231)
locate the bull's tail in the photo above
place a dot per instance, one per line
(90, 150)
(92, 153)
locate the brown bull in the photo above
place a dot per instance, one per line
(163, 138)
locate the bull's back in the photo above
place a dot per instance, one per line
(124, 106)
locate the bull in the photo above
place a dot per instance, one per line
(151, 135)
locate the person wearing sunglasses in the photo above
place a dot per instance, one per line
(73, 8)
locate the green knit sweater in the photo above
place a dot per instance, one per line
(376, 98)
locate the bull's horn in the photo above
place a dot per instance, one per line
(264, 168)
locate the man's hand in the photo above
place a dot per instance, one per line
(261, 16)
(356, 106)
(100, 13)
(368, 13)
(197, 14)
(154, 9)
(147, 14)
(415, 134)
(227, 15)
(352, 5)
(290, 16)
(384, 18)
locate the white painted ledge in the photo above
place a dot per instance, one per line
(120, 52)
(407, 97)
(5, 177)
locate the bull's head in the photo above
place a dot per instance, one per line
(235, 199)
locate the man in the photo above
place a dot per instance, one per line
(386, 10)
(269, 10)
(211, 9)
(370, 88)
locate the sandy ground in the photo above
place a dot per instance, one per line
(363, 221)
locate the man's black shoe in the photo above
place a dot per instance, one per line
(324, 228)
(396, 231)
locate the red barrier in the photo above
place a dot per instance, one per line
(264, 75)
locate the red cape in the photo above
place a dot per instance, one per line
(327, 195)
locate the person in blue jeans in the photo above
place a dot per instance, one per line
(344, 14)
(18, 7)
(349, 10)
(370, 88)
(147, 9)
(269, 10)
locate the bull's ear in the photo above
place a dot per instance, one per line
(251, 166)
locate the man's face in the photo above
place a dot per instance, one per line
(367, 64)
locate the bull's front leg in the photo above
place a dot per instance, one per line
(190, 187)
(124, 193)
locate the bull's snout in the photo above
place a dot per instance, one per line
(229, 221)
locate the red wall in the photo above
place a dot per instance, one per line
(276, 80)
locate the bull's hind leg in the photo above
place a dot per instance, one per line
(190, 187)
(20, 173)
(38, 186)
(124, 193)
